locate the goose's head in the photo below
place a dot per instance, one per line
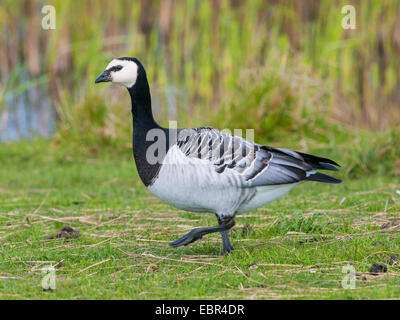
(124, 71)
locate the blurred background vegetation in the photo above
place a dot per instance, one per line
(287, 69)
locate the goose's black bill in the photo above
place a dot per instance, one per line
(104, 77)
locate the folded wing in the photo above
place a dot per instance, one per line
(257, 165)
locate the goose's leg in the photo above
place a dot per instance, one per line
(194, 235)
(224, 225)
(226, 244)
(228, 223)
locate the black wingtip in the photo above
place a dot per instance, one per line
(327, 166)
(319, 162)
(321, 177)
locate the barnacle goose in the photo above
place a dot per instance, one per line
(206, 170)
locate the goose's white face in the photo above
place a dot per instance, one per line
(123, 72)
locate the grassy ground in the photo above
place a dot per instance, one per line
(294, 248)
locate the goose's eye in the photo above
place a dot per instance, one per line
(115, 68)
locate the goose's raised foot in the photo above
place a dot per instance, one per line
(196, 234)
(190, 237)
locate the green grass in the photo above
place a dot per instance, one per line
(295, 248)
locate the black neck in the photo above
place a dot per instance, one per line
(141, 104)
(143, 122)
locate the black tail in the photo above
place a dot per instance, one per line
(319, 163)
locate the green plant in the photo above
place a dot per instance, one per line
(298, 223)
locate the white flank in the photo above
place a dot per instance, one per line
(266, 194)
(193, 184)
